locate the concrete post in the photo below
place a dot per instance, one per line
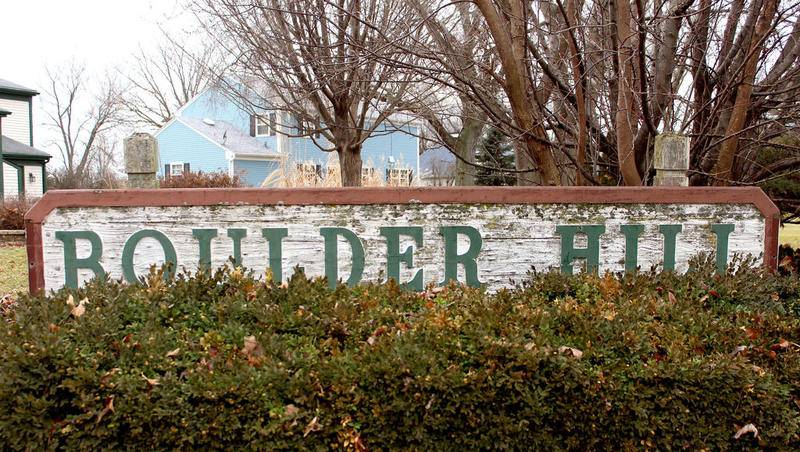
(671, 160)
(141, 160)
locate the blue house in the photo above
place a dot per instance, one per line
(213, 133)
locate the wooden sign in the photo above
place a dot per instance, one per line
(418, 236)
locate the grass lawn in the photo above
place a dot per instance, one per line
(13, 269)
(790, 234)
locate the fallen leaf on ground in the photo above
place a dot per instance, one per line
(173, 353)
(291, 410)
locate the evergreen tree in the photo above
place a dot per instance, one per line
(494, 154)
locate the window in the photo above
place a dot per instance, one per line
(266, 125)
(176, 168)
(309, 173)
(399, 177)
(368, 177)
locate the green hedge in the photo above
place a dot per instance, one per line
(584, 362)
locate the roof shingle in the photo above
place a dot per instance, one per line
(13, 148)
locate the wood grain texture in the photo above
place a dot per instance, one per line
(516, 236)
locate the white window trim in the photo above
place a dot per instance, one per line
(172, 170)
(399, 177)
(270, 120)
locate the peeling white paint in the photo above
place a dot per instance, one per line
(516, 237)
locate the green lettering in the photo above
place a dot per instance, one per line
(723, 232)
(332, 255)
(592, 251)
(204, 237)
(274, 238)
(170, 258)
(632, 233)
(467, 260)
(71, 261)
(394, 257)
(237, 235)
(670, 233)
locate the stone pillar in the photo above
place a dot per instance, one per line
(671, 160)
(141, 160)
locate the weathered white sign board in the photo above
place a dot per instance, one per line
(488, 236)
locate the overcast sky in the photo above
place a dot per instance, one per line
(102, 34)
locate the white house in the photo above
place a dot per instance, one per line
(23, 167)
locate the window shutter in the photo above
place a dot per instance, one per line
(252, 125)
(185, 168)
(166, 170)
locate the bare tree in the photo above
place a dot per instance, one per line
(162, 80)
(584, 87)
(83, 118)
(319, 60)
(445, 55)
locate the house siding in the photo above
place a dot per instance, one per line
(375, 152)
(33, 181)
(17, 125)
(253, 172)
(10, 179)
(177, 142)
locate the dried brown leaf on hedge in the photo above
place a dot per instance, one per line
(80, 309)
(109, 408)
(749, 428)
(569, 351)
(251, 347)
(782, 345)
(150, 381)
(311, 427)
(609, 286)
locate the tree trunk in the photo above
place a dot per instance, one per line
(626, 118)
(722, 172)
(580, 99)
(350, 165)
(465, 147)
(509, 39)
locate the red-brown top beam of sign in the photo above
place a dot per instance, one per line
(453, 195)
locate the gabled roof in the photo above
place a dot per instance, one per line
(227, 136)
(7, 87)
(15, 149)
